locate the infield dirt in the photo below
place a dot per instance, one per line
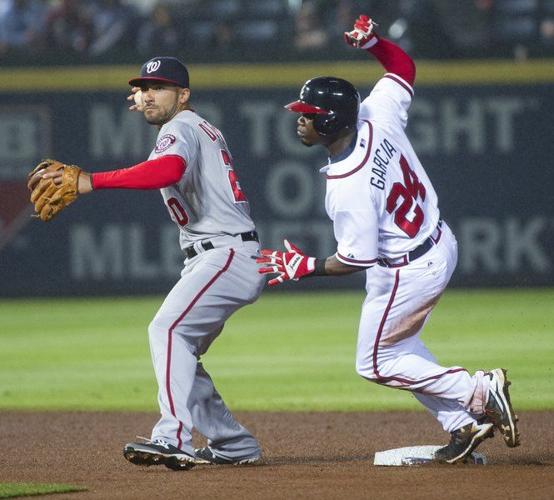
(306, 455)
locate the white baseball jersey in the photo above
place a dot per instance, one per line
(379, 197)
(207, 201)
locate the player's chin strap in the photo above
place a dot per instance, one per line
(291, 264)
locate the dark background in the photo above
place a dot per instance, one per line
(488, 150)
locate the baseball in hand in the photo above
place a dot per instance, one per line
(138, 98)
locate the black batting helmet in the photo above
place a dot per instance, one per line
(334, 102)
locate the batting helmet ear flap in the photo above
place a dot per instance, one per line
(326, 124)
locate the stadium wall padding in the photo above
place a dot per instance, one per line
(483, 130)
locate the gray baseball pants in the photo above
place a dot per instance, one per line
(213, 285)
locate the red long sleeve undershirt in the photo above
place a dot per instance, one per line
(152, 174)
(394, 59)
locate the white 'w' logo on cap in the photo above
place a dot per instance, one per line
(153, 66)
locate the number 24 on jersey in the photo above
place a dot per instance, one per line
(404, 196)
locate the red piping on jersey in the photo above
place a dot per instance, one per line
(384, 380)
(354, 261)
(170, 336)
(152, 174)
(369, 143)
(400, 82)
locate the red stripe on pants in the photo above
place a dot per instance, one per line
(384, 380)
(170, 341)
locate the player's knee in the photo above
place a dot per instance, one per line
(156, 328)
(364, 368)
(159, 330)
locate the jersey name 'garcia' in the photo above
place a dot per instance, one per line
(207, 201)
(379, 197)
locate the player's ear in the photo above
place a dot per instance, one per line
(184, 95)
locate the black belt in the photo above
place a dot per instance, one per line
(191, 252)
(417, 252)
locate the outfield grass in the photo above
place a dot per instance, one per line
(287, 352)
(13, 490)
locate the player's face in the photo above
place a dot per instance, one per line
(161, 102)
(306, 131)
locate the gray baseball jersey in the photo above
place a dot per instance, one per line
(198, 204)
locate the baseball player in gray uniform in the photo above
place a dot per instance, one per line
(193, 168)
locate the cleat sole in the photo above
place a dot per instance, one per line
(204, 456)
(509, 430)
(147, 459)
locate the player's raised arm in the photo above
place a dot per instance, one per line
(391, 97)
(390, 55)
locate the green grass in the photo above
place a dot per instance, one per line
(286, 352)
(11, 490)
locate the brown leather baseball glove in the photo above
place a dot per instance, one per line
(48, 196)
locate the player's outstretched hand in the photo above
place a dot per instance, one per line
(291, 264)
(363, 35)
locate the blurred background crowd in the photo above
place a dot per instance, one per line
(96, 31)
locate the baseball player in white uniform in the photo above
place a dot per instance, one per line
(193, 168)
(387, 222)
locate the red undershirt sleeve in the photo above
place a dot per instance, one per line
(394, 59)
(152, 174)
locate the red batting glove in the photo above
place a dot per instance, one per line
(362, 36)
(289, 265)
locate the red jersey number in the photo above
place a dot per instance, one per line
(178, 211)
(238, 194)
(409, 193)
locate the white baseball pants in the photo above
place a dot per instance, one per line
(390, 351)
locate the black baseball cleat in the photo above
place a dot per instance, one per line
(158, 452)
(463, 441)
(498, 409)
(207, 456)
